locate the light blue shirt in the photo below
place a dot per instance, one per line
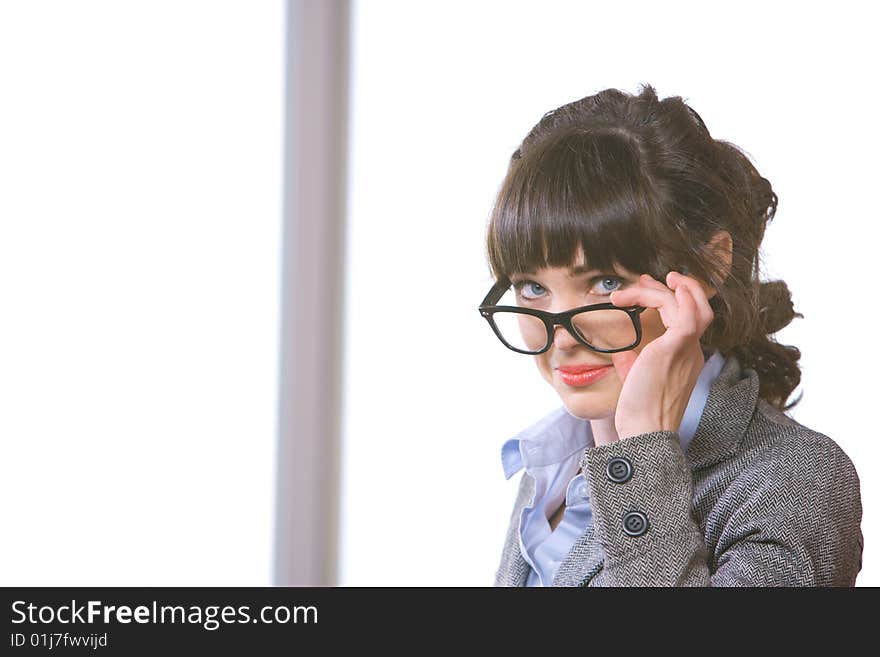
(551, 450)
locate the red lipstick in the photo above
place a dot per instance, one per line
(582, 375)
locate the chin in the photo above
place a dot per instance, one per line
(588, 409)
(593, 402)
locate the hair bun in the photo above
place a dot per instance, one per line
(775, 306)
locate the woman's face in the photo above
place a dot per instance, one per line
(558, 289)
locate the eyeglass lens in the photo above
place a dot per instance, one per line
(604, 329)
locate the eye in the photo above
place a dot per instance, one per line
(607, 284)
(529, 290)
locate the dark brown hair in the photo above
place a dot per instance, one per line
(639, 181)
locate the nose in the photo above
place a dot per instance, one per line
(562, 339)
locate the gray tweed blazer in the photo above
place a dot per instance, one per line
(758, 500)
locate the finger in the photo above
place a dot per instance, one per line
(704, 310)
(650, 281)
(676, 278)
(648, 297)
(641, 295)
(689, 321)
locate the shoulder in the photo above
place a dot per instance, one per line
(778, 440)
(791, 487)
(783, 473)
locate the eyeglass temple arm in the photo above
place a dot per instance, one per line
(496, 292)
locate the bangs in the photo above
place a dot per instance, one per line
(580, 191)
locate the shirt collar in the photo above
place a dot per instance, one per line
(560, 434)
(550, 440)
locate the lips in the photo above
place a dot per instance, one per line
(579, 376)
(580, 369)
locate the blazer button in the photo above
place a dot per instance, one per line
(635, 523)
(619, 470)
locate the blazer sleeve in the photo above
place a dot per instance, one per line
(791, 518)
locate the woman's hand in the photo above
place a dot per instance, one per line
(659, 380)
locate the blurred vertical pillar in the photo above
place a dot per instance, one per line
(316, 127)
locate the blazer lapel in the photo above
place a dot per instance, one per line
(519, 571)
(583, 561)
(732, 400)
(514, 569)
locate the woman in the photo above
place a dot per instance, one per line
(625, 245)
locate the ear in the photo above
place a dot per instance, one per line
(721, 245)
(720, 248)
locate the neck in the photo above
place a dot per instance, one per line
(604, 431)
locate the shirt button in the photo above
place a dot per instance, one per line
(635, 523)
(619, 470)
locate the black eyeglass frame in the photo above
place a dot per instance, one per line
(552, 320)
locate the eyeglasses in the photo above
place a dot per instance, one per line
(602, 327)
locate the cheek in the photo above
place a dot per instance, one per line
(543, 363)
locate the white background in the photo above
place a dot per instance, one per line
(140, 188)
(443, 94)
(140, 215)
